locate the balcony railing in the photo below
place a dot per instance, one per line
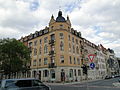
(51, 52)
(51, 42)
(52, 65)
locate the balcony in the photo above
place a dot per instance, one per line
(52, 42)
(51, 52)
(52, 65)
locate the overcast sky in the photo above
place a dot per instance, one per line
(98, 20)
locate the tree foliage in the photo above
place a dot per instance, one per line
(14, 56)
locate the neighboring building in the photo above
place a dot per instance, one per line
(90, 48)
(112, 63)
(56, 51)
(118, 59)
(25, 40)
(101, 62)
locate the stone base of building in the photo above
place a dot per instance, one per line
(58, 74)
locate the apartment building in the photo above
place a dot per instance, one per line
(56, 51)
(112, 63)
(101, 61)
(90, 49)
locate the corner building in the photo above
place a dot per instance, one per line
(56, 51)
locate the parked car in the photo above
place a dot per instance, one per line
(113, 76)
(0, 83)
(108, 77)
(23, 84)
(119, 80)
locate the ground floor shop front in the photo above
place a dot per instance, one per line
(58, 74)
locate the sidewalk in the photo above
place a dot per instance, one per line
(70, 83)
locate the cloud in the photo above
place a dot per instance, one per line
(97, 20)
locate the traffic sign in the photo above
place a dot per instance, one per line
(92, 65)
(91, 57)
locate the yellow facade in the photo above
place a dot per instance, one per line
(65, 49)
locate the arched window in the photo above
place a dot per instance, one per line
(34, 74)
(45, 49)
(52, 74)
(61, 46)
(71, 73)
(69, 47)
(40, 49)
(45, 73)
(73, 49)
(77, 50)
(35, 51)
(78, 61)
(79, 72)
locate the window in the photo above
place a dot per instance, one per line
(45, 49)
(53, 74)
(45, 73)
(73, 39)
(52, 48)
(79, 72)
(35, 43)
(61, 46)
(40, 41)
(40, 49)
(61, 36)
(30, 44)
(34, 62)
(80, 41)
(45, 39)
(76, 41)
(78, 61)
(18, 83)
(45, 61)
(62, 59)
(77, 50)
(73, 49)
(75, 72)
(71, 73)
(35, 51)
(69, 47)
(39, 62)
(74, 60)
(69, 37)
(53, 37)
(70, 59)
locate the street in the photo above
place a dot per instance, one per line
(93, 85)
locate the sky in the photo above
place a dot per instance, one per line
(97, 20)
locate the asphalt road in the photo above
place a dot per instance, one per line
(94, 85)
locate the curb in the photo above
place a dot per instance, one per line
(71, 82)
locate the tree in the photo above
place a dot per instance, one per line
(14, 56)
